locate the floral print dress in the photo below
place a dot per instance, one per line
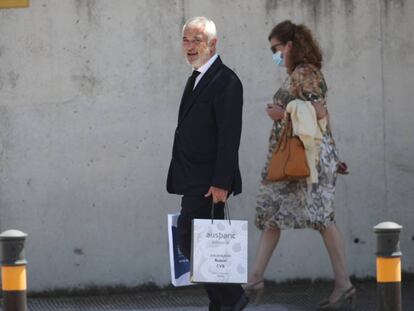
(297, 204)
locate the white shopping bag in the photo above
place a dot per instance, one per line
(180, 265)
(219, 251)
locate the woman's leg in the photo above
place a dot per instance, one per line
(336, 250)
(267, 244)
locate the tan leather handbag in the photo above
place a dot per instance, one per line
(288, 161)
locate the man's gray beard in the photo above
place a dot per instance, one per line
(200, 61)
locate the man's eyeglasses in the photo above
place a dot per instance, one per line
(196, 41)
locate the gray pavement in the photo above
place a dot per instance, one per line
(297, 296)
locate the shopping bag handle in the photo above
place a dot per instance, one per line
(226, 212)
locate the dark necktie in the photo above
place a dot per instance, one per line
(191, 81)
(188, 91)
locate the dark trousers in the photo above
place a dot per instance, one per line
(200, 207)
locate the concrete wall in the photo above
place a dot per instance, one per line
(89, 95)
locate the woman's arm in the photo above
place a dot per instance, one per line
(320, 109)
(307, 83)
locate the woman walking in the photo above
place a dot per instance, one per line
(299, 204)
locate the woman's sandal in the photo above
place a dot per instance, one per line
(254, 290)
(349, 296)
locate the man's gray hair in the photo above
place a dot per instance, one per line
(209, 26)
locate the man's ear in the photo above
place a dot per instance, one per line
(213, 43)
(289, 45)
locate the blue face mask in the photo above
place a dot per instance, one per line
(278, 59)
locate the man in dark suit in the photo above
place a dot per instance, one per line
(204, 166)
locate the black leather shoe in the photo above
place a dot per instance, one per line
(238, 306)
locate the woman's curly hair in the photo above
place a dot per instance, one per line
(305, 49)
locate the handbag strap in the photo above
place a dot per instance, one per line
(286, 131)
(226, 212)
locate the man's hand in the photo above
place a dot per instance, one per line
(275, 112)
(219, 195)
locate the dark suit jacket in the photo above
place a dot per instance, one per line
(207, 138)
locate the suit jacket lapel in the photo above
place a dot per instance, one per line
(202, 84)
(183, 98)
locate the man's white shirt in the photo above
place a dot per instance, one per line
(203, 69)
